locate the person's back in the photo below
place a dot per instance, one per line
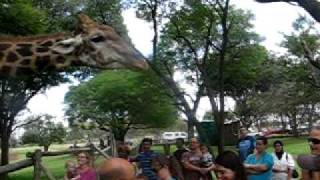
(245, 145)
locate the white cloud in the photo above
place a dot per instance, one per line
(139, 31)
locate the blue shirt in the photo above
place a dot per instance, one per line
(265, 159)
(246, 147)
(145, 159)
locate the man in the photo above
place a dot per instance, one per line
(145, 158)
(259, 165)
(310, 164)
(116, 169)
(191, 161)
(245, 145)
(180, 149)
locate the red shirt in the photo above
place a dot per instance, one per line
(87, 174)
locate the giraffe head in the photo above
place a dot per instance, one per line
(100, 46)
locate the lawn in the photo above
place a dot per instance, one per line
(55, 164)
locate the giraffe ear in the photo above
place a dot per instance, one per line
(67, 46)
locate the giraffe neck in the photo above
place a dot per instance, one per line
(27, 55)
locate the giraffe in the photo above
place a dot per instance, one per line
(92, 45)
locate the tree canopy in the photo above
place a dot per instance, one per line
(44, 132)
(121, 100)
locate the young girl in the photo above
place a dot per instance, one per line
(71, 171)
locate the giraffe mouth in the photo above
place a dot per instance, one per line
(115, 65)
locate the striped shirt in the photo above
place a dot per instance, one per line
(144, 159)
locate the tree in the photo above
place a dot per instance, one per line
(155, 11)
(203, 40)
(16, 92)
(21, 18)
(121, 100)
(44, 132)
(311, 6)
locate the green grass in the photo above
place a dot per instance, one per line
(55, 164)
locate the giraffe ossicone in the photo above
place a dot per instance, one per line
(92, 44)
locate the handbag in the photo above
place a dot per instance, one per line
(295, 173)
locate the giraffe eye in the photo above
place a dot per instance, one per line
(97, 39)
(66, 45)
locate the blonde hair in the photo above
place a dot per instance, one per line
(69, 162)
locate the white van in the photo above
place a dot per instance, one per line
(172, 136)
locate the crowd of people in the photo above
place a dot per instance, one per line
(251, 162)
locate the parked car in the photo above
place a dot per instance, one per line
(170, 137)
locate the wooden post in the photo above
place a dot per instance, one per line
(37, 164)
(106, 156)
(47, 172)
(91, 152)
(166, 148)
(113, 145)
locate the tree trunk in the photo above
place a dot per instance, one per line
(294, 125)
(4, 151)
(190, 129)
(310, 116)
(283, 123)
(259, 125)
(119, 134)
(46, 148)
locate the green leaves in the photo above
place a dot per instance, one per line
(44, 132)
(21, 18)
(121, 100)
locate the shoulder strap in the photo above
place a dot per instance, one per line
(286, 156)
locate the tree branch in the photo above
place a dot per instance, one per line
(26, 123)
(311, 6)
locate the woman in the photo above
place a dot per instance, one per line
(229, 167)
(259, 165)
(85, 170)
(283, 162)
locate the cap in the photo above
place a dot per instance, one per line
(309, 162)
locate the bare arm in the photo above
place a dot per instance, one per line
(256, 168)
(210, 168)
(289, 174)
(190, 166)
(65, 177)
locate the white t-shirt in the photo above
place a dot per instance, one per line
(284, 163)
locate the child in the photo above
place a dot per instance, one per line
(71, 173)
(207, 158)
(207, 162)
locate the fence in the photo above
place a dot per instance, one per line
(35, 159)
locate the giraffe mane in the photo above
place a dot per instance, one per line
(8, 38)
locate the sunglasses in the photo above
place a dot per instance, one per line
(314, 140)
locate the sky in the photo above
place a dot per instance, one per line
(270, 20)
